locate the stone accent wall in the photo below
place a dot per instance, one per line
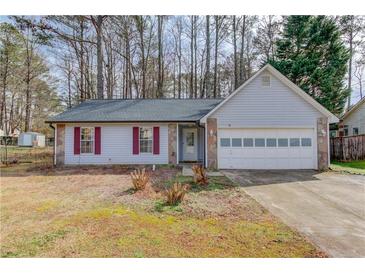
(322, 143)
(212, 143)
(60, 145)
(172, 146)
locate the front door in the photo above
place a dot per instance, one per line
(190, 146)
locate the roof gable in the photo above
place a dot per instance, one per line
(354, 108)
(294, 88)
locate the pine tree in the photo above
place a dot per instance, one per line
(312, 55)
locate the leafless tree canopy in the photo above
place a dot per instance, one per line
(50, 62)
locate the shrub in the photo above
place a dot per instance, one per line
(140, 178)
(200, 175)
(176, 193)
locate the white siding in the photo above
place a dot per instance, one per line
(356, 119)
(259, 106)
(116, 146)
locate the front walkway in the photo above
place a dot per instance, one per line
(329, 208)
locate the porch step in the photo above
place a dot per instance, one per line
(187, 171)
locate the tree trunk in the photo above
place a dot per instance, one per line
(195, 58)
(99, 52)
(179, 59)
(140, 26)
(207, 66)
(82, 69)
(243, 28)
(27, 89)
(3, 95)
(350, 70)
(235, 53)
(215, 83)
(160, 78)
(191, 92)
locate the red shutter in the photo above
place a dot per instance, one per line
(156, 140)
(135, 140)
(76, 140)
(97, 140)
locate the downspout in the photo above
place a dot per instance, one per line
(54, 143)
(204, 152)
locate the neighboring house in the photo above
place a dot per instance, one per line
(353, 121)
(267, 123)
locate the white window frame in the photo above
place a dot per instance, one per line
(271, 138)
(92, 140)
(346, 130)
(140, 139)
(226, 138)
(236, 147)
(309, 138)
(249, 147)
(353, 131)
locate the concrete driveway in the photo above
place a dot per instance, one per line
(329, 208)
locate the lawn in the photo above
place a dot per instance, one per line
(356, 167)
(94, 212)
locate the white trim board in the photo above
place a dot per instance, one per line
(331, 117)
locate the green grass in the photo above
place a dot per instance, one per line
(355, 167)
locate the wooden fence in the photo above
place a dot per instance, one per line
(348, 148)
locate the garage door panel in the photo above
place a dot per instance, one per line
(258, 157)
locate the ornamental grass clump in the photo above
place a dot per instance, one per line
(140, 179)
(176, 193)
(200, 175)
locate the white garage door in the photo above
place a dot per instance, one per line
(267, 149)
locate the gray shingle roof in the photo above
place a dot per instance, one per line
(138, 110)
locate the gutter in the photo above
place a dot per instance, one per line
(121, 122)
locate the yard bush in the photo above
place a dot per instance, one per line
(200, 175)
(176, 193)
(140, 178)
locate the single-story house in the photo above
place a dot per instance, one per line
(353, 121)
(267, 123)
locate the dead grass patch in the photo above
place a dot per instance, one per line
(92, 212)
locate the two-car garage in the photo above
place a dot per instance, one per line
(268, 123)
(275, 148)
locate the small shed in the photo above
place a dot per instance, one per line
(31, 139)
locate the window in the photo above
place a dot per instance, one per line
(282, 142)
(306, 142)
(190, 139)
(145, 139)
(265, 80)
(294, 142)
(271, 142)
(346, 130)
(248, 142)
(225, 142)
(236, 142)
(259, 142)
(355, 131)
(87, 140)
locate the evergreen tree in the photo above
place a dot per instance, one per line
(313, 56)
